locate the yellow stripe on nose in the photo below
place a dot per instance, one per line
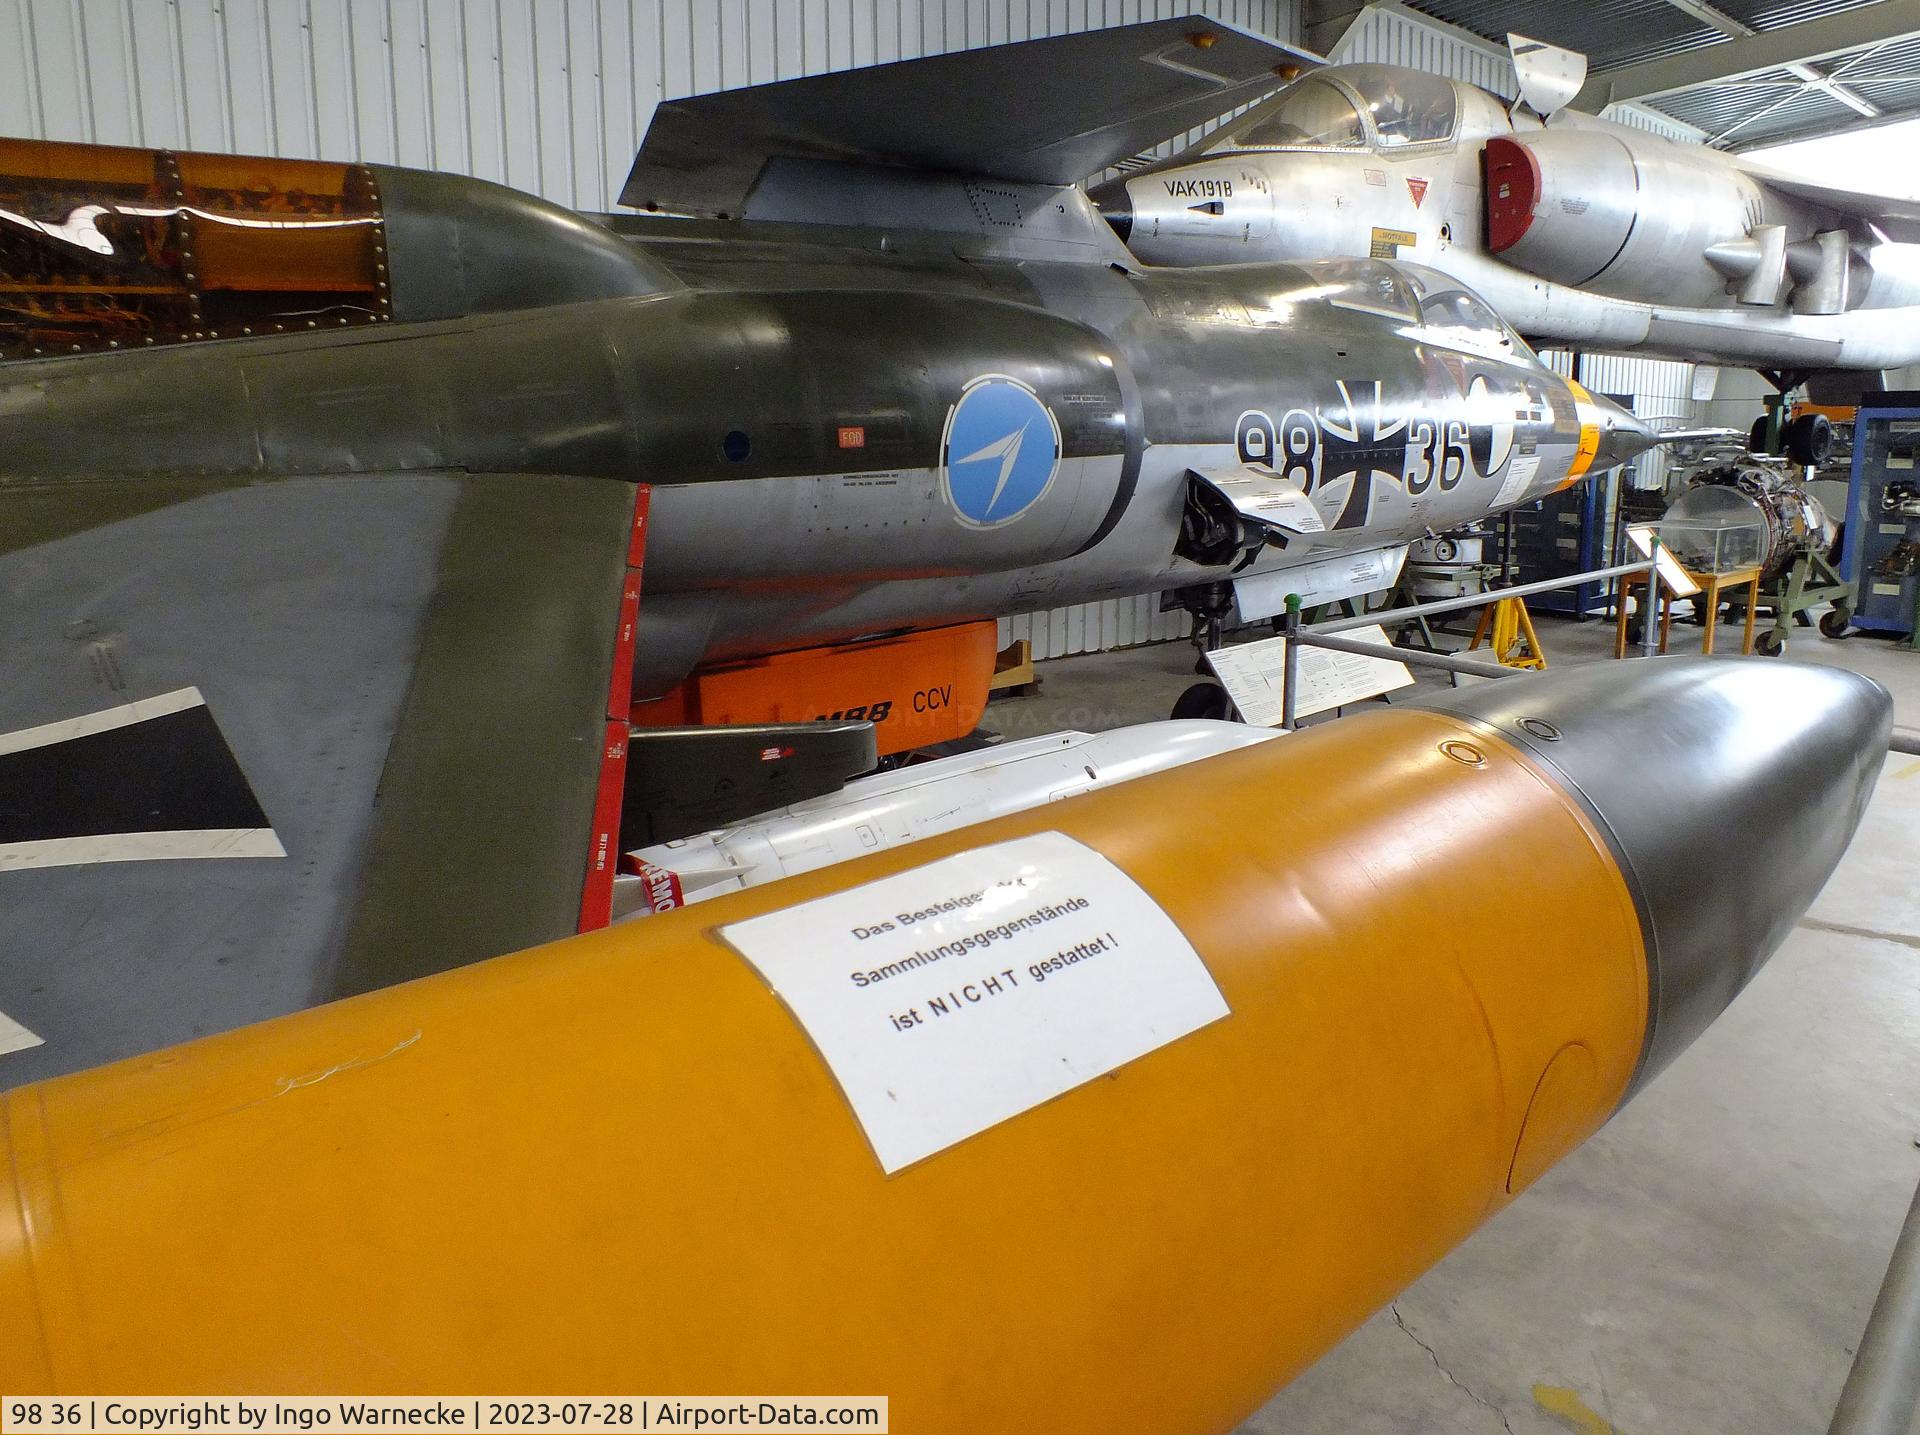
(1589, 449)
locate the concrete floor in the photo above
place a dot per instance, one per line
(1705, 1264)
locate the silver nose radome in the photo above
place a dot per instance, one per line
(1623, 436)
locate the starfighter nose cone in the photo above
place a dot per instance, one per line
(1115, 206)
(1728, 788)
(1622, 436)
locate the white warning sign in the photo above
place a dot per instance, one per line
(955, 996)
(1520, 474)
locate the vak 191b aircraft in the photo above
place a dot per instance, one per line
(355, 521)
(1577, 229)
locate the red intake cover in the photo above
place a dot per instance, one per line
(1512, 189)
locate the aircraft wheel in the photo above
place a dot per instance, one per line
(1835, 621)
(1769, 644)
(1810, 439)
(1203, 700)
(1757, 436)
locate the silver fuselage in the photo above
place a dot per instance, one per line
(1649, 289)
(723, 393)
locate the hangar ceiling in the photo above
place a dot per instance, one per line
(1747, 72)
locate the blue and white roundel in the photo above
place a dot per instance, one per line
(1000, 451)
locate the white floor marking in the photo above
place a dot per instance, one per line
(105, 720)
(140, 847)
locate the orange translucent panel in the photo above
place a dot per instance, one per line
(272, 180)
(44, 159)
(106, 247)
(288, 261)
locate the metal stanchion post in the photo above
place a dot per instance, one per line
(1650, 640)
(1884, 1384)
(1290, 669)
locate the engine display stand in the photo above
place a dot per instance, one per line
(1808, 581)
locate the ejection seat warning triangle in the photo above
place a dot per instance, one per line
(955, 996)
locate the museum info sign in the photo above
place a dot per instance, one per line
(957, 995)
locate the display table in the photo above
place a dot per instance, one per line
(1711, 587)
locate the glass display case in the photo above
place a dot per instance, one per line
(1720, 532)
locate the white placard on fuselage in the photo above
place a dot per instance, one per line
(954, 996)
(1520, 471)
(1254, 676)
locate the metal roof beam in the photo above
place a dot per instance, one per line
(1819, 79)
(1746, 54)
(1718, 19)
(1831, 88)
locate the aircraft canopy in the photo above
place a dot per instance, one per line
(1351, 106)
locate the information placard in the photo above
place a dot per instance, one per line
(954, 996)
(1254, 676)
(1679, 582)
(1520, 471)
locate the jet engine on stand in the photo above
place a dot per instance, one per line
(1747, 511)
(1756, 505)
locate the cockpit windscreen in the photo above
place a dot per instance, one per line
(1456, 318)
(1406, 106)
(1402, 107)
(1312, 113)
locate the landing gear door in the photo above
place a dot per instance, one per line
(1278, 506)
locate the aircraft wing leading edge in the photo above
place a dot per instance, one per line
(1898, 219)
(268, 742)
(1049, 111)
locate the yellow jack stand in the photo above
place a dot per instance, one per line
(1512, 639)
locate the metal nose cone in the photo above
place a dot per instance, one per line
(1727, 788)
(1115, 206)
(1622, 436)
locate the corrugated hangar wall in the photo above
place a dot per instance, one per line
(549, 96)
(552, 96)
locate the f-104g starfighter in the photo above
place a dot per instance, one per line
(353, 518)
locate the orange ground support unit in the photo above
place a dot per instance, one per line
(917, 689)
(1834, 413)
